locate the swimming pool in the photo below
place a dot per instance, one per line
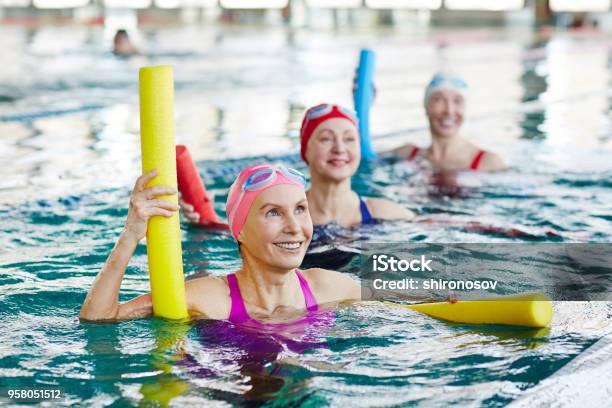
(70, 153)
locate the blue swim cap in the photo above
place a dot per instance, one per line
(445, 80)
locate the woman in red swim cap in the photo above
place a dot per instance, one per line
(329, 140)
(329, 144)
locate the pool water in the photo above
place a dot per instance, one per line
(69, 148)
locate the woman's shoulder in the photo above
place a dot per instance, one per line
(320, 275)
(483, 159)
(208, 296)
(384, 209)
(331, 286)
(491, 161)
(211, 283)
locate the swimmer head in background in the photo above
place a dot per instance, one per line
(318, 114)
(445, 81)
(122, 46)
(249, 184)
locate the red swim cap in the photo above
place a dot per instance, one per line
(318, 114)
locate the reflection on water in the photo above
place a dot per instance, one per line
(534, 84)
(69, 152)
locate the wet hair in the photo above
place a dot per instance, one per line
(121, 33)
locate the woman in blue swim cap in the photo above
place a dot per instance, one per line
(444, 102)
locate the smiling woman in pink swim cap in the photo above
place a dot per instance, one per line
(268, 215)
(444, 102)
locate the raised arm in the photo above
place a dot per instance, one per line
(102, 301)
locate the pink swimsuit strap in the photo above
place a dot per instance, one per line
(238, 312)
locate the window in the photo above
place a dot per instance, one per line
(404, 4)
(254, 4)
(580, 5)
(492, 5)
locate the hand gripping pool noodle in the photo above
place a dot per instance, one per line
(158, 152)
(192, 188)
(530, 310)
(362, 96)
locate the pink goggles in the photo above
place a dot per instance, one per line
(259, 178)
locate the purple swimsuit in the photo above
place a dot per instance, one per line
(239, 314)
(253, 344)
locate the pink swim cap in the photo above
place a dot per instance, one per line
(249, 184)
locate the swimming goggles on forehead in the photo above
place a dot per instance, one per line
(326, 108)
(263, 178)
(266, 176)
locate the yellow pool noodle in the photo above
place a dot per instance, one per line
(158, 152)
(531, 310)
